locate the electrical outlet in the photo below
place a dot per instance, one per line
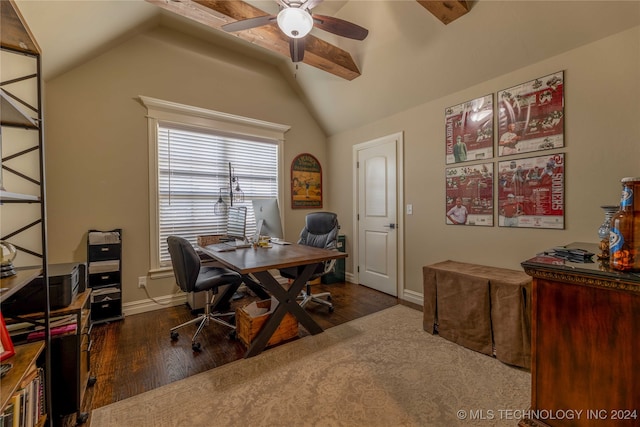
(142, 281)
(409, 209)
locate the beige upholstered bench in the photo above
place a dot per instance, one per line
(486, 309)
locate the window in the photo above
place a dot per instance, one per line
(191, 151)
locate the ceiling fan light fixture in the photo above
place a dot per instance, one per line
(295, 22)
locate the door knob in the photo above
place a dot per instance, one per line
(391, 226)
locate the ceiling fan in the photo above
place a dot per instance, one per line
(296, 21)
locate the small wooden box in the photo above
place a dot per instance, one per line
(249, 321)
(211, 239)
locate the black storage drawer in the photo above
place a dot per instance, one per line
(104, 268)
(105, 294)
(97, 280)
(106, 309)
(104, 252)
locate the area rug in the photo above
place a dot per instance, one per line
(379, 370)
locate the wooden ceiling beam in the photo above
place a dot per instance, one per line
(446, 11)
(216, 13)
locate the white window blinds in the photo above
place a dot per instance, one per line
(193, 172)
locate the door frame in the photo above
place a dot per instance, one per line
(399, 136)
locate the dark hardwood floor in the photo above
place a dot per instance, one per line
(136, 354)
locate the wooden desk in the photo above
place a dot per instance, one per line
(258, 262)
(585, 343)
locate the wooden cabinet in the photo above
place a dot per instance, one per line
(70, 355)
(585, 344)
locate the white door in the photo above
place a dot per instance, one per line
(377, 214)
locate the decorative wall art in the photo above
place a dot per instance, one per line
(469, 130)
(531, 116)
(6, 346)
(469, 195)
(531, 192)
(306, 182)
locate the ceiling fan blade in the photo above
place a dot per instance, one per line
(340, 27)
(296, 49)
(246, 24)
(310, 4)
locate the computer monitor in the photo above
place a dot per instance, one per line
(237, 222)
(267, 216)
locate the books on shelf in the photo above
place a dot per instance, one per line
(27, 405)
(28, 331)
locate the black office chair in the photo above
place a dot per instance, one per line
(320, 231)
(191, 276)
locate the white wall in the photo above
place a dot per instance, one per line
(602, 145)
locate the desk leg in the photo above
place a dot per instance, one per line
(255, 287)
(286, 303)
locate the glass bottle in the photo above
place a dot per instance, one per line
(624, 238)
(605, 229)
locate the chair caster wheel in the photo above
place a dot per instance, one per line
(331, 309)
(328, 297)
(196, 347)
(174, 336)
(82, 418)
(233, 335)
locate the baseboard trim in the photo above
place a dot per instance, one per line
(145, 305)
(413, 296)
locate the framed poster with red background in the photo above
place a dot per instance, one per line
(469, 195)
(531, 192)
(531, 116)
(6, 346)
(469, 130)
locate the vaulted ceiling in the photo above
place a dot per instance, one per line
(410, 56)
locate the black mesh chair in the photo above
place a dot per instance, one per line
(191, 276)
(320, 231)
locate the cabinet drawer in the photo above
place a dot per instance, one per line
(103, 279)
(106, 309)
(104, 252)
(105, 294)
(85, 367)
(85, 349)
(85, 325)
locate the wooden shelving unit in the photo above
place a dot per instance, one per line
(25, 357)
(14, 283)
(16, 39)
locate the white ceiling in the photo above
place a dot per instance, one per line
(408, 59)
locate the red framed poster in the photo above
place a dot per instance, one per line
(531, 116)
(531, 192)
(6, 346)
(306, 182)
(469, 130)
(469, 199)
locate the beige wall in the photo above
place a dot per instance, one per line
(602, 145)
(97, 168)
(96, 137)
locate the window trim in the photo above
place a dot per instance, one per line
(166, 111)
